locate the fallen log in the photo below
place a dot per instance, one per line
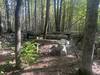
(58, 36)
(46, 41)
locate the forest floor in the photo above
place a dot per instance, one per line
(52, 65)
(48, 65)
(58, 65)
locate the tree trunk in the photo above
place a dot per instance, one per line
(70, 14)
(0, 25)
(57, 13)
(89, 37)
(63, 16)
(60, 12)
(25, 16)
(57, 17)
(31, 15)
(35, 14)
(8, 18)
(42, 15)
(46, 19)
(28, 3)
(17, 34)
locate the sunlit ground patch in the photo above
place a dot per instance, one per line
(71, 56)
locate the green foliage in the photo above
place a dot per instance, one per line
(1, 70)
(29, 53)
(7, 67)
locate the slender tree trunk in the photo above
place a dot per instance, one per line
(63, 16)
(0, 24)
(28, 3)
(70, 15)
(35, 14)
(59, 16)
(46, 19)
(89, 37)
(57, 13)
(42, 14)
(8, 18)
(17, 34)
(25, 16)
(31, 16)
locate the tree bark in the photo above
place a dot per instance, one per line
(28, 3)
(42, 15)
(46, 19)
(0, 25)
(8, 17)
(35, 14)
(63, 16)
(17, 34)
(25, 16)
(57, 13)
(31, 15)
(89, 37)
(70, 14)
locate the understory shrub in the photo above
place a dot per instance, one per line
(7, 67)
(29, 53)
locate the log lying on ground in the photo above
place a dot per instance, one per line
(58, 36)
(53, 35)
(63, 35)
(46, 41)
